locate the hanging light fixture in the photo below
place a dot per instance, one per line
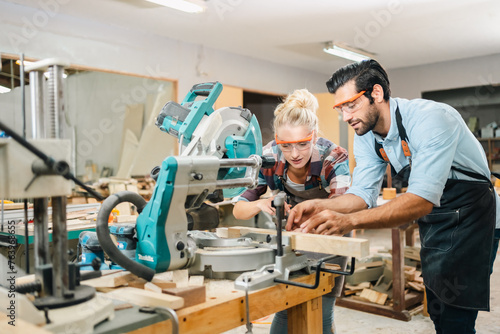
(347, 52)
(193, 7)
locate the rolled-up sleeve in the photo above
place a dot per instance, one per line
(369, 171)
(251, 195)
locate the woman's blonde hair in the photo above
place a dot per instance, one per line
(299, 108)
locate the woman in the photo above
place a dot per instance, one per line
(307, 167)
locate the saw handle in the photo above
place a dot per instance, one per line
(203, 89)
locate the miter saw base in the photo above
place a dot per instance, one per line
(266, 275)
(252, 255)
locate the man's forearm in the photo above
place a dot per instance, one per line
(347, 203)
(402, 209)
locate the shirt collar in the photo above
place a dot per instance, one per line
(393, 133)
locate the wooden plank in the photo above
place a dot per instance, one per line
(146, 298)
(165, 285)
(328, 244)
(192, 295)
(135, 282)
(417, 286)
(306, 317)
(374, 296)
(384, 310)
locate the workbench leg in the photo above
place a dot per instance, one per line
(411, 237)
(306, 317)
(398, 276)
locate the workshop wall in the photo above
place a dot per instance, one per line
(410, 82)
(108, 47)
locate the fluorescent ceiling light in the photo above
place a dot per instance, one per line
(4, 89)
(18, 62)
(347, 52)
(182, 5)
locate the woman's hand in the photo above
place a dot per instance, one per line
(265, 205)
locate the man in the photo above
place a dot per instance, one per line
(449, 190)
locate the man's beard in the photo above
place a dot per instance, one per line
(369, 124)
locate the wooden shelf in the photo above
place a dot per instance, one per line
(491, 144)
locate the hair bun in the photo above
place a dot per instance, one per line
(299, 108)
(299, 99)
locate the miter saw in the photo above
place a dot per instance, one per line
(219, 150)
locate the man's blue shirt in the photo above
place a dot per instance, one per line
(438, 138)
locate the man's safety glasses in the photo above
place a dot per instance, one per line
(300, 145)
(351, 105)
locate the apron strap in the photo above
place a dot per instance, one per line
(379, 149)
(475, 175)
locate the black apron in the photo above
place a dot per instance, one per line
(456, 240)
(296, 197)
(457, 237)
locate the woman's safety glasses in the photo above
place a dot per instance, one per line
(300, 145)
(350, 106)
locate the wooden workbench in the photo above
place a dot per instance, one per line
(402, 302)
(224, 308)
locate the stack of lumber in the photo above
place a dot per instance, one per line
(363, 285)
(78, 217)
(145, 186)
(111, 185)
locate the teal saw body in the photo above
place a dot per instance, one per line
(219, 150)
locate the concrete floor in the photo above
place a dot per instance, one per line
(356, 322)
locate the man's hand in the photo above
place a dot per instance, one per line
(328, 222)
(300, 213)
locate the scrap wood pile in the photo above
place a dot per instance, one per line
(174, 289)
(372, 279)
(142, 185)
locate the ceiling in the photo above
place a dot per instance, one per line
(401, 33)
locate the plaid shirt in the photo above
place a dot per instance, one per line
(325, 171)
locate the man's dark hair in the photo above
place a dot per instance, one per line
(365, 74)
